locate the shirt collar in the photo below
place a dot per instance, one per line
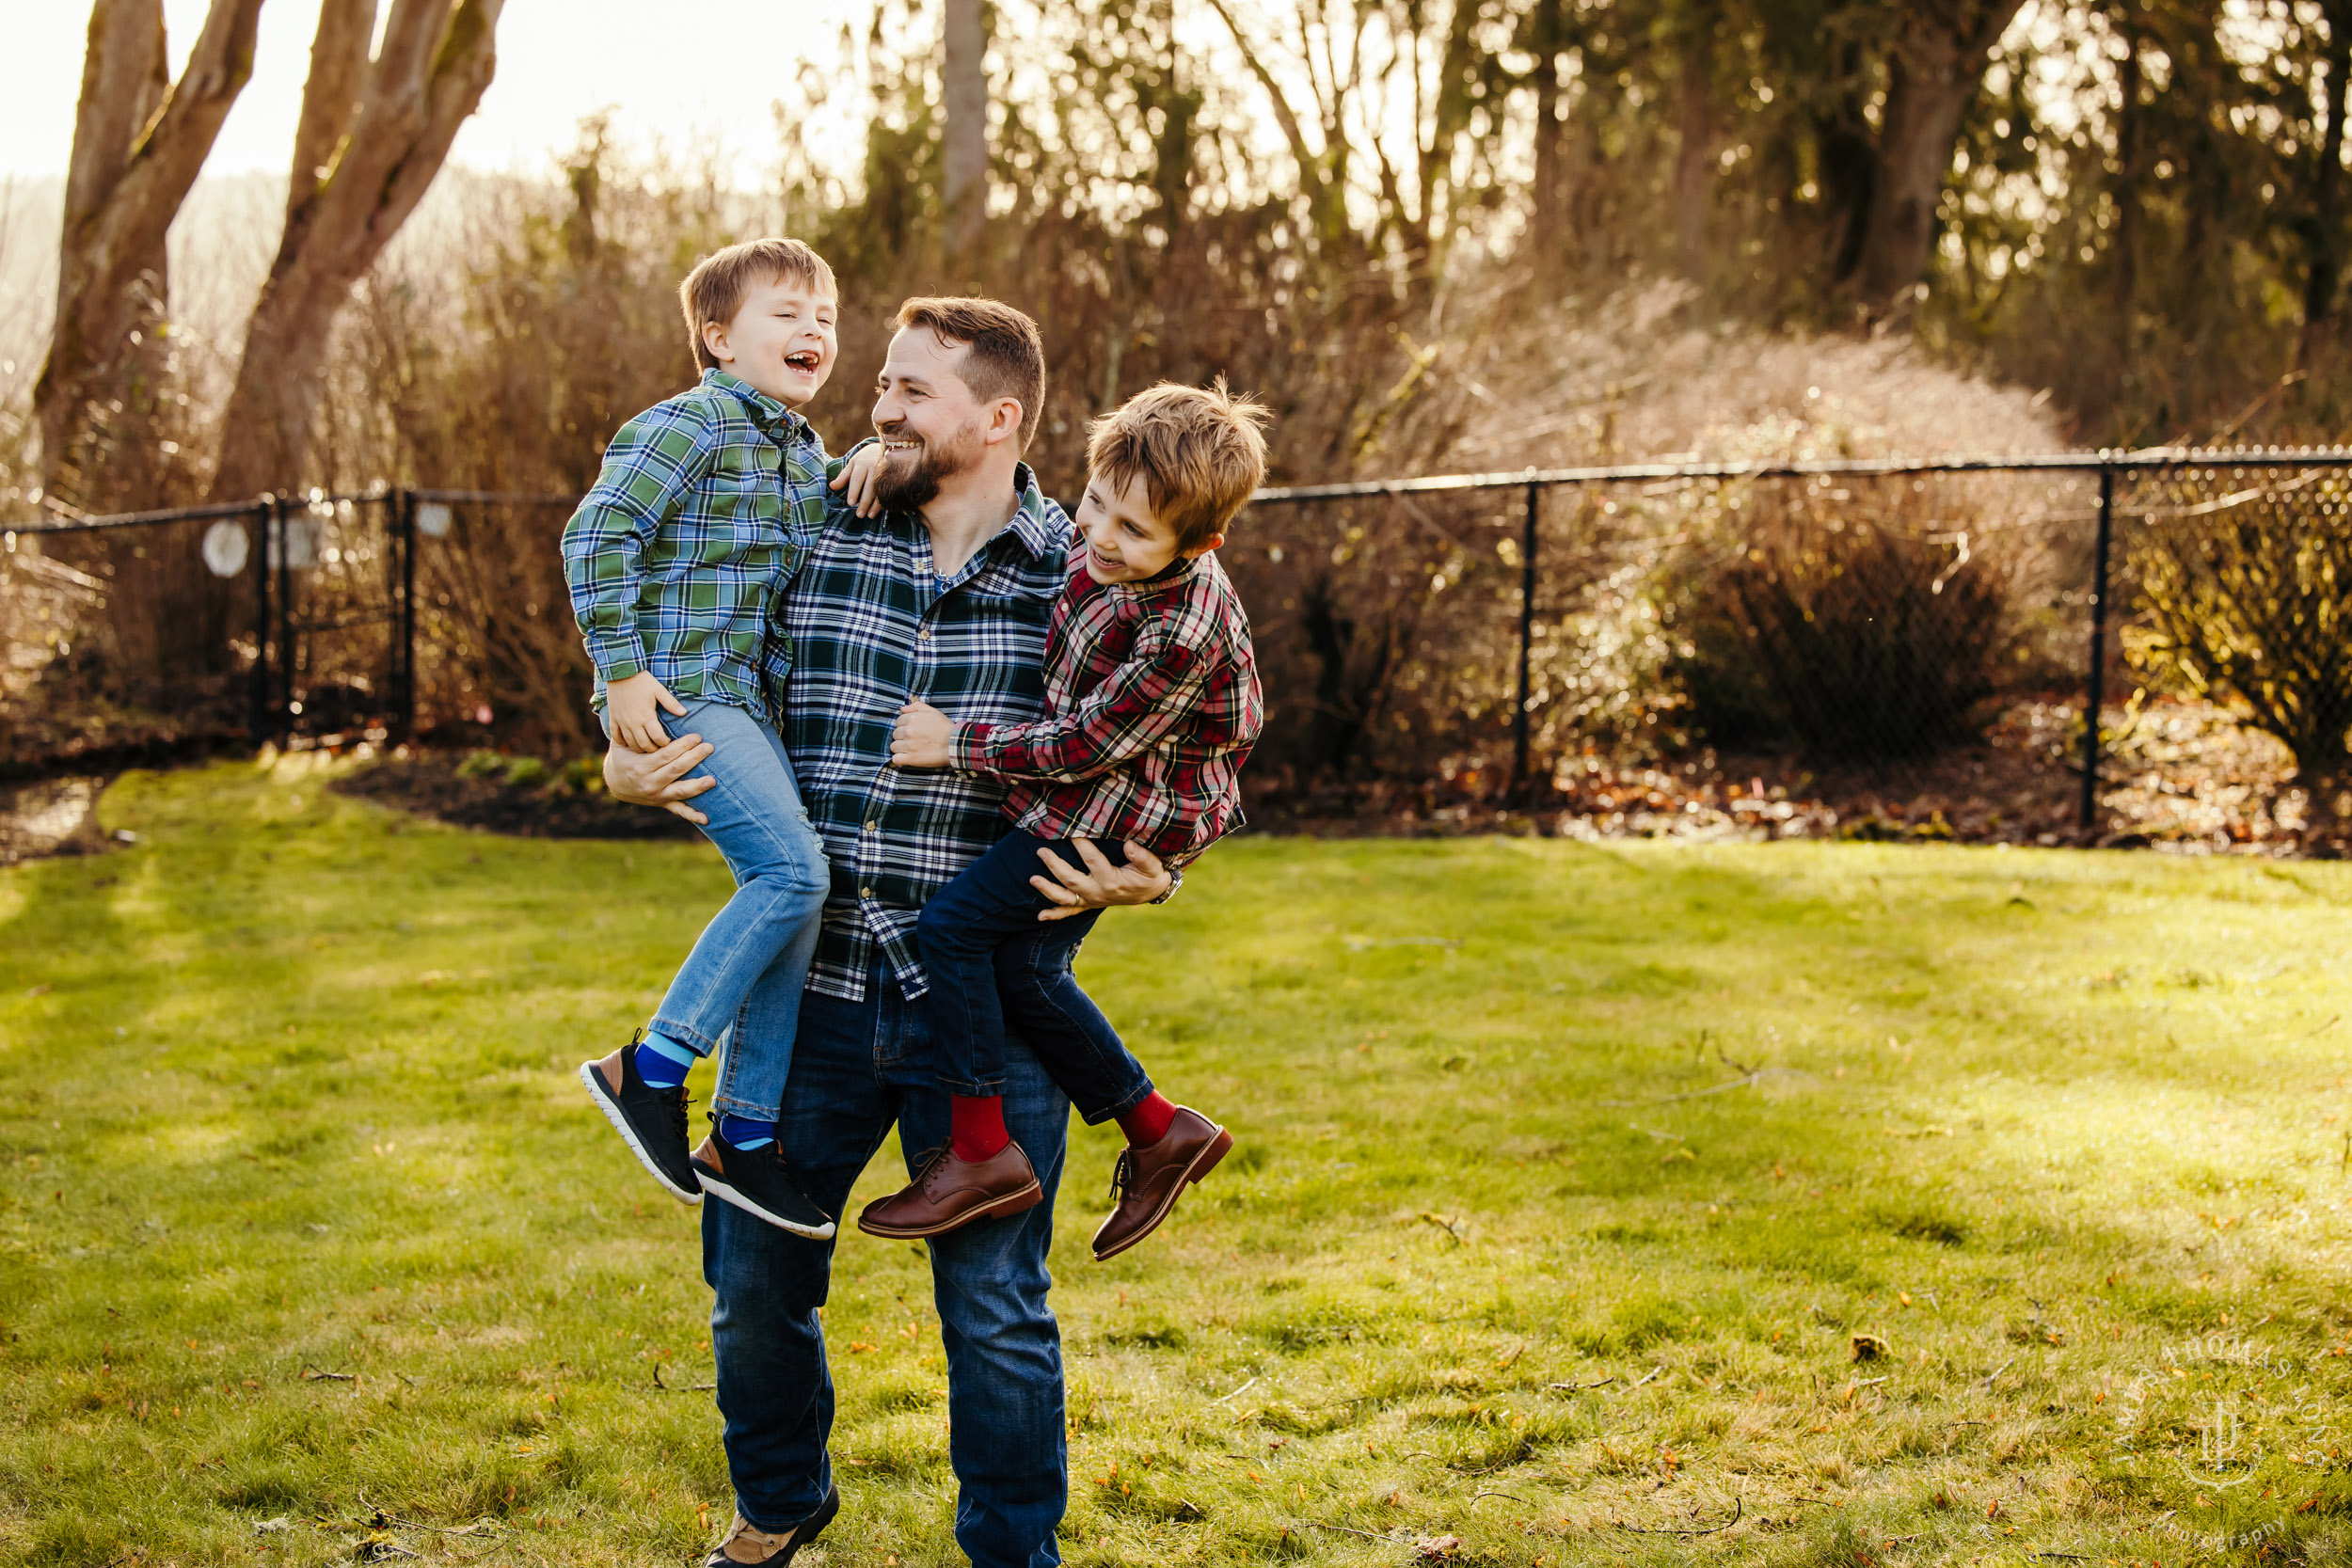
(1038, 523)
(773, 419)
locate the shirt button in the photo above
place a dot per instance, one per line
(923, 636)
(866, 893)
(870, 826)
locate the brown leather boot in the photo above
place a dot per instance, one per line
(1148, 1181)
(948, 1193)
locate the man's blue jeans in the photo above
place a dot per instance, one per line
(858, 1067)
(749, 965)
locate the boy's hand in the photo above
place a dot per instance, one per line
(856, 480)
(634, 706)
(922, 737)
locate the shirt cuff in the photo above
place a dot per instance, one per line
(617, 654)
(965, 743)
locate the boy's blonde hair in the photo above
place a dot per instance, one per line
(1200, 451)
(714, 290)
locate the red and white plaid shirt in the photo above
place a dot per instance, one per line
(1152, 705)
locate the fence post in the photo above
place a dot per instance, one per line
(405, 527)
(260, 684)
(284, 716)
(1520, 784)
(2088, 813)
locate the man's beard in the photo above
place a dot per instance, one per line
(907, 486)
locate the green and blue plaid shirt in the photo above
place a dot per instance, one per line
(678, 556)
(875, 625)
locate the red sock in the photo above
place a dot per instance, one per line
(1148, 1122)
(976, 1126)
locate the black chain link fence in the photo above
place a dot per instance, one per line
(1864, 648)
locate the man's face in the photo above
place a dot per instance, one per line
(781, 339)
(931, 424)
(1124, 542)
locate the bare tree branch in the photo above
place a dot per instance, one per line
(435, 61)
(138, 149)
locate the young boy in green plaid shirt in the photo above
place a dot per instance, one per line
(677, 560)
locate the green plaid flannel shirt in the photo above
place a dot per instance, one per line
(678, 556)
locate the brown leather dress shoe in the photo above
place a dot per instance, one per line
(948, 1193)
(1148, 1181)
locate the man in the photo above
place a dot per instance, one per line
(944, 598)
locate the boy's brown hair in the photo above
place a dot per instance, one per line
(1200, 451)
(714, 290)
(1008, 357)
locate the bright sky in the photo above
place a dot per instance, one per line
(680, 70)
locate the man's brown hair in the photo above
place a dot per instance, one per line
(1200, 452)
(1008, 357)
(714, 290)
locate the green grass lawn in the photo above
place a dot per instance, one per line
(303, 1215)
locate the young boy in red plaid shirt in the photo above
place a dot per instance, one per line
(1152, 704)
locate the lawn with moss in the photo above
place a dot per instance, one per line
(1854, 1203)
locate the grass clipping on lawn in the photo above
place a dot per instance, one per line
(1853, 1203)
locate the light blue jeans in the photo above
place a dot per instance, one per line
(744, 979)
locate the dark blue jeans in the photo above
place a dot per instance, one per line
(994, 966)
(858, 1067)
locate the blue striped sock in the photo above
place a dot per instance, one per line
(662, 1063)
(744, 1132)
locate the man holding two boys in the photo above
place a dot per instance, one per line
(925, 625)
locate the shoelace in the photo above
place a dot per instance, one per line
(1123, 1174)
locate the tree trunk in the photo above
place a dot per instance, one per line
(2324, 232)
(1546, 227)
(138, 148)
(964, 82)
(1933, 73)
(2129, 118)
(1694, 162)
(379, 153)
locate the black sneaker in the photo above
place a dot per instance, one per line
(651, 1121)
(758, 1181)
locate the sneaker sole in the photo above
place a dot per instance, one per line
(1014, 1203)
(725, 1193)
(611, 1109)
(1202, 1162)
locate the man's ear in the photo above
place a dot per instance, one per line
(1004, 418)
(1214, 542)
(715, 342)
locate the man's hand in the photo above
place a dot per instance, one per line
(856, 480)
(1101, 884)
(635, 706)
(922, 737)
(658, 778)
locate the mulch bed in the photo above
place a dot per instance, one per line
(430, 784)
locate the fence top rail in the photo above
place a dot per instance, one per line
(2116, 461)
(81, 523)
(1860, 468)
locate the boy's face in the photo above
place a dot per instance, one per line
(1124, 542)
(781, 339)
